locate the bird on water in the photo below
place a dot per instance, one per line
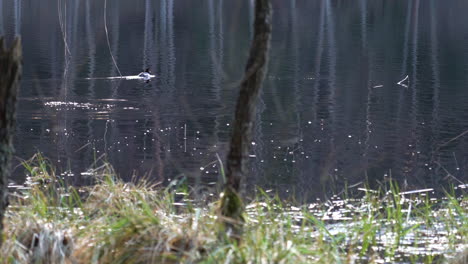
(146, 74)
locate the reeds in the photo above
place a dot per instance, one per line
(120, 222)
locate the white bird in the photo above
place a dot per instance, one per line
(146, 75)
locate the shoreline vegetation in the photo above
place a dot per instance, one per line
(124, 222)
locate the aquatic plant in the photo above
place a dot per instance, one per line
(114, 221)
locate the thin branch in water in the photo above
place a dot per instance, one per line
(84, 146)
(456, 161)
(221, 168)
(107, 37)
(105, 136)
(402, 82)
(417, 191)
(409, 212)
(185, 137)
(62, 29)
(449, 175)
(453, 139)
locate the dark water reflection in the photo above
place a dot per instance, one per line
(331, 111)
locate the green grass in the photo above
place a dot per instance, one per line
(121, 222)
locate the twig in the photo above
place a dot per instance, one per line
(402, 84)
(417, 191)
(185, 137)
(221, 168)
(453, 139)
(84, 146)
(107, 36)
(59, 7)
(409, 212)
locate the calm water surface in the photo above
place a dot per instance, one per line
(331, 113)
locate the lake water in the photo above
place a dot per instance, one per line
(333, 112)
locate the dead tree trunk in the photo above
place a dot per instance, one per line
(10, 72)
(231, 204)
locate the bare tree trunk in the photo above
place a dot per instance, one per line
(231, 204)
(10, 72)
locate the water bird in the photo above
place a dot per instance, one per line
(146, 74)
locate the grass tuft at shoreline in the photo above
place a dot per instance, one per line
(120, 222)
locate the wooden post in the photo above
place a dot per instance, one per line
(231, 204)
(10, 73)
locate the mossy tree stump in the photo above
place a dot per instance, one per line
(10, 73)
